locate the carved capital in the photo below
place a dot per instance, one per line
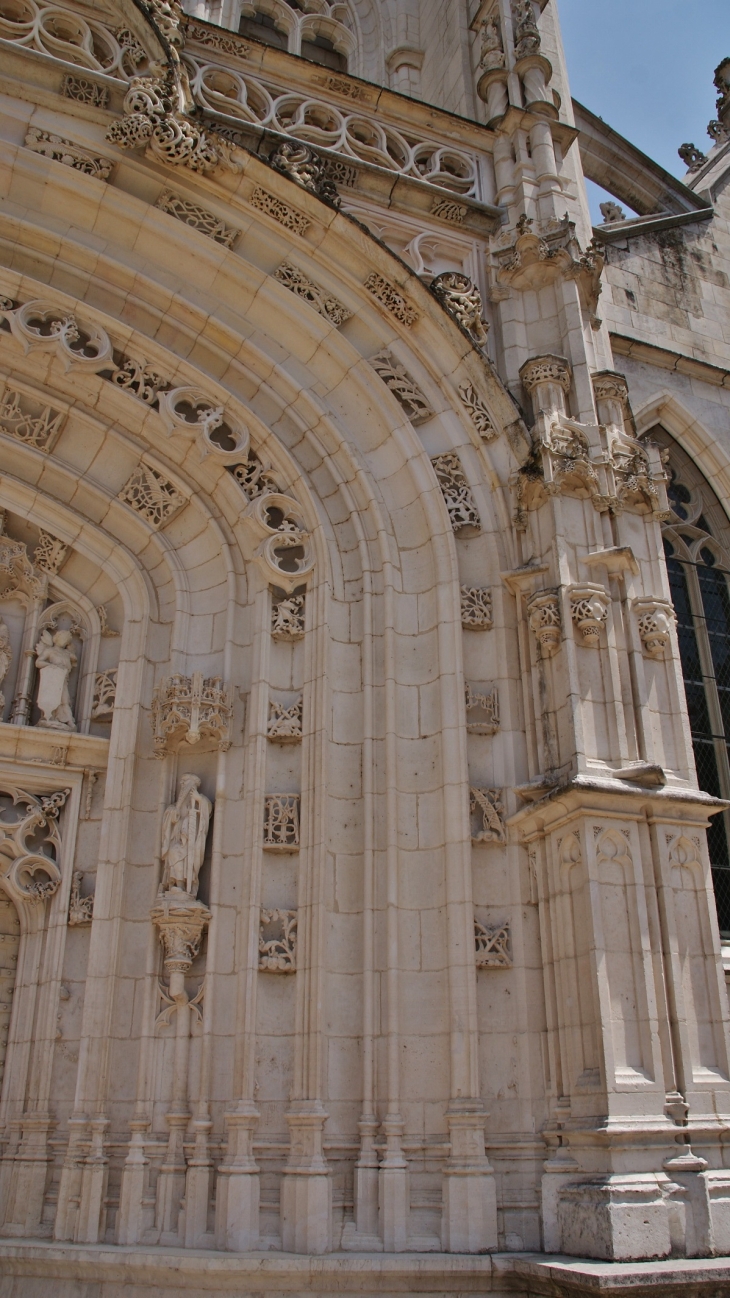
(609, 386)
(589, 609)
(543, 614)
(546, 369)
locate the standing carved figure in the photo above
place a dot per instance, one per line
(55, 660)
(184, 831)
(6, 656)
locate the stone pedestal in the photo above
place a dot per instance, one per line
(306, 1197)
(469, 1218)
(130, 1221)
(237, 1192)
(94, 1178)
(616, 1218)
(28, 1178)
(393, 1190)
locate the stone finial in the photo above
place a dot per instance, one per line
(589, 610)
(543, 614)
(656, 618)
(692, 157)
(611, 212)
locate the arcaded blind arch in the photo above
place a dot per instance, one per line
(697, 550)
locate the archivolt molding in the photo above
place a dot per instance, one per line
(706, 449)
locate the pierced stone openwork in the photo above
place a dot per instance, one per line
(44, 326)
(50, 553)
(105, 693)
(493, 947)
(482, 710)
(281, 822)
(456, 491)
(287, 216)
(152, 496)
(70, 154)
(278, 941)
(193, 411)
(463, 301)
(543, 613)
(476, 608)
(285, 721)
(391, 298)
(487, 815)
(30, 421)
(197, 217)
(135, 375)
(287, 618)
(191, 708)
(405, 389)
(325, 304)
(31, 843)
(480, 416)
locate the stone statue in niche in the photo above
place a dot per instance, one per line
(184, 831)
(55, 660)
(6, 657)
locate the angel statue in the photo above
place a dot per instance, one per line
(184, 831)
(6, 656)
(55, 660)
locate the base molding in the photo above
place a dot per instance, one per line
(137, 1272)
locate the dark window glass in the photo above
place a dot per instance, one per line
(716, 613)
(263, 28)
(321, 50)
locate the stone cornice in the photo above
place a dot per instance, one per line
(665, 359)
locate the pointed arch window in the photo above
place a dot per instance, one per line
(697, 549)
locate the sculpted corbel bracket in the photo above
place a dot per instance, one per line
(589, 605)
(543, 615)
(655, 618)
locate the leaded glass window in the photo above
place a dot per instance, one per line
(697, 549)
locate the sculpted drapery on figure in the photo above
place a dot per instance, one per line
(184, 831)
(55, 660)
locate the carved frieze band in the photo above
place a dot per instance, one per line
(197, 217)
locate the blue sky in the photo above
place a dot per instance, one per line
(646, 68)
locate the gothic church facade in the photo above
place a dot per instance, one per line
(364, 667)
